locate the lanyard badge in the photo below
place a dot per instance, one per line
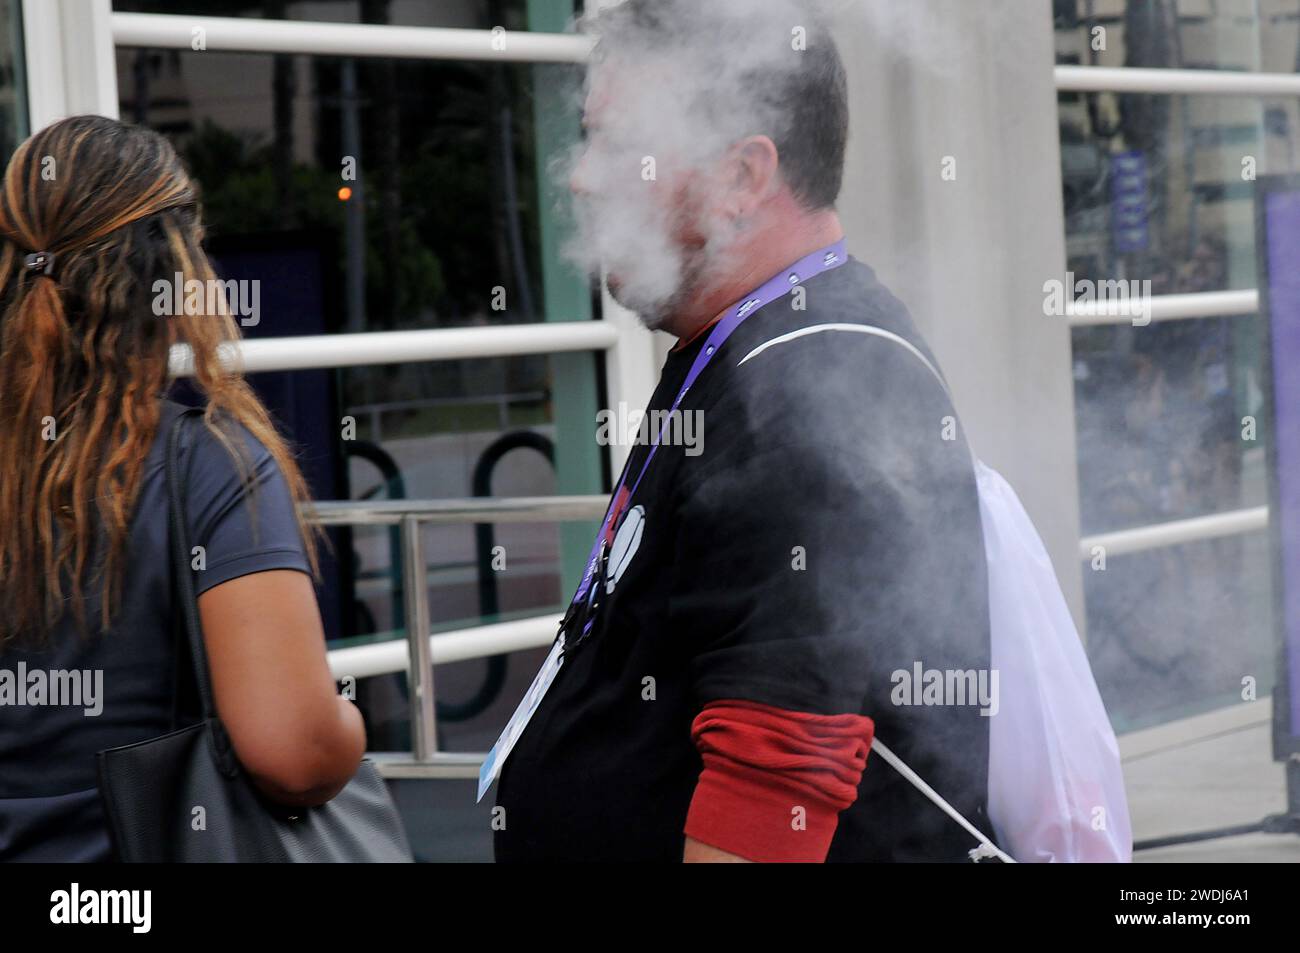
(576, 625)
(580, 617)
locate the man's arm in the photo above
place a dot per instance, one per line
(774, 782)
(699, 853)
(814, 542)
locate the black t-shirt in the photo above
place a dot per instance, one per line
(49, 803)
(824, 536)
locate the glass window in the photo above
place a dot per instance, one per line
(1183, 34)
(13, 80)
(1159, 189)
(373, 195)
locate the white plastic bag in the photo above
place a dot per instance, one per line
(1055, 786)
(1056, 790)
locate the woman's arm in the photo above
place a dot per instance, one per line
(298, 739)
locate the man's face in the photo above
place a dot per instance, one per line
(639, 194)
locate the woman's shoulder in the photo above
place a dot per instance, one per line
(225, 443)
(236, 499)
(222, 465)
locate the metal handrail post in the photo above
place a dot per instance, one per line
(424, 723)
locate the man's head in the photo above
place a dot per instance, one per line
(709, 126)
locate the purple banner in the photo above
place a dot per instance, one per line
(1282, 227)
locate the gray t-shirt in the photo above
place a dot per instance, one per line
(49, 802)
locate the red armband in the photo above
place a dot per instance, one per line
(774, 781)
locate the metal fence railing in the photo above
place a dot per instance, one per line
(421, 651)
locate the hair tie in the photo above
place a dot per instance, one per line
(41, 263)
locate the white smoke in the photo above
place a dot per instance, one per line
(661, 114)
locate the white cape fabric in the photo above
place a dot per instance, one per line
(1056, 789)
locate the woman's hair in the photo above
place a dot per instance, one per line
(92, 213)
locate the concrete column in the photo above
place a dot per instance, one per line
(69, 58)
(967, 87)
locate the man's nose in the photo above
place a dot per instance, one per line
(579, 177)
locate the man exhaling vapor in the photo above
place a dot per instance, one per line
(728, 654)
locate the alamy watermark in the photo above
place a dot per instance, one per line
(241, 299)
(133, 908)
(62, 688)
(946, 687)
(626, 427)
(1125, 299)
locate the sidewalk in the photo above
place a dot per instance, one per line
(1214, 770)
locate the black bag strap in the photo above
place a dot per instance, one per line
(189, 606)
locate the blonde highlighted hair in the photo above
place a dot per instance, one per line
(84, 360)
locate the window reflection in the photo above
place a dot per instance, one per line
(1159, 408)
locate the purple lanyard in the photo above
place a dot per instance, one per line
(807, 267)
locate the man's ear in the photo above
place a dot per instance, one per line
(755, 167)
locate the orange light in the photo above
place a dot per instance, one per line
(345, 193)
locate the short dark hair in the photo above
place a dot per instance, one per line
(804, 92)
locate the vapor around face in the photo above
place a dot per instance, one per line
(663, 102)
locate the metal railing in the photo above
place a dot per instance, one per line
(475, 509)
(256, 35)
(1174, 82)
(1174, 307)
(421, 651)
(1175, 533)
(313, 351)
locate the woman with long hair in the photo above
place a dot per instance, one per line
(93, 213)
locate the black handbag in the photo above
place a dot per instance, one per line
(185, 797)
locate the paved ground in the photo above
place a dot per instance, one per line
(1207, 772)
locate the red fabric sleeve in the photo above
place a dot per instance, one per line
(762, 765)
